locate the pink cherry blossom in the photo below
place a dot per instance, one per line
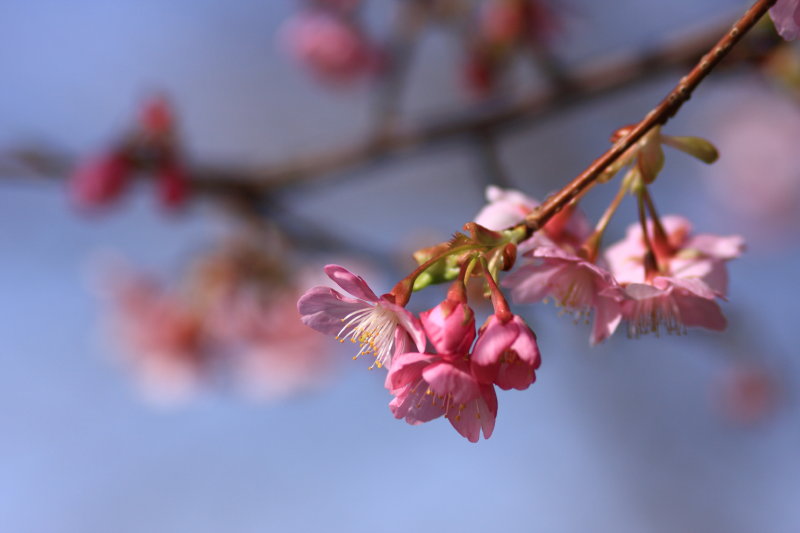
(99, 182)
(786, 16)
(671, 303)
(164, 339)
(688, 256)
(427, 386)
(331, 47)
(506, 354)
(579, 286)
(507, 207)
(272, 353)
(380, 327)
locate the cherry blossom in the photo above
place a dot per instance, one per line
(380, 327)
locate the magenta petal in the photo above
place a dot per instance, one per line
(348, 281)
(416, 405)
(531, 283)
(525, 344)
(324, 309)
(406, 368)
(494, 339)
(445, 378)
(479, 414)
(607, 316)
(700, 312)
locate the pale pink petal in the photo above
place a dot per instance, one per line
(446, 378)
(699, 312)
(409, 322)
(407, 368)
(607, 316)
(324, 309)
(531, 283)
(416, 404)
(729, 247)
(348, 281)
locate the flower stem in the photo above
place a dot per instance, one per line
(592, 244)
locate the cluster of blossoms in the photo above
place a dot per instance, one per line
(660, 277)
(455, 378)
(328, 39)
(151, 146)
(235, 317)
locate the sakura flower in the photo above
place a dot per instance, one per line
(173, 186)
(786, 16)
(579, 286)
(163, 338)
(508, 207)
(671, 303)
(380, 327)
(427, 386)
(273, 355)
(690, 275)
(506, 354)
(331, 47)
(684, 255)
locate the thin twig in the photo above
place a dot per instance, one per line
(657, 116)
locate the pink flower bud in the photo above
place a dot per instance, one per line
(99, 182)
(506, 354)
(450, 326)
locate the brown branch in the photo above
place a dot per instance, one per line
(597, 79)
(657, 116)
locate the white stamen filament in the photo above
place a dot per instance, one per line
(373, 329)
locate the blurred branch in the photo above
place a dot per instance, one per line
(596, 79)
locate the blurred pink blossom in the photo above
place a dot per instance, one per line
(758, 173)
(746, 393)
(163, 338)
(100, 181)
(331, 47)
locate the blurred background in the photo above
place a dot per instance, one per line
(683, 433)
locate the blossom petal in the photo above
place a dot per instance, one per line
(348, 281)
(406, 368)
(446, 378)
(607, 316)
(324, 309)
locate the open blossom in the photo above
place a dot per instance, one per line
(506, 354)
(685, 256)
(427, 386)
(507, 207)
(331, 47)
(691, 276)
(380, 327)
(786, 16)
(576, 284)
